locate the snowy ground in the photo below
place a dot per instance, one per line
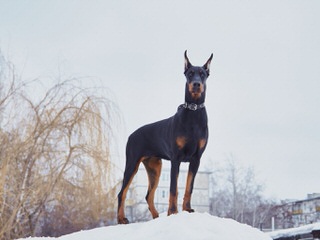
(200, 226)
(295, 231)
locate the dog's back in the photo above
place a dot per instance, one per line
(151, 140)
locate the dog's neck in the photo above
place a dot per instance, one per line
(191, 103)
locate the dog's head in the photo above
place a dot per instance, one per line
(196, 78)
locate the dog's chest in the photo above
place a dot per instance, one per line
(190, 134)
(190, 143)
(185, 142)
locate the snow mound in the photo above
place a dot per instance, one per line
(200, 226)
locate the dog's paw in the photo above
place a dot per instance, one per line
(123, 221)
(190, 210)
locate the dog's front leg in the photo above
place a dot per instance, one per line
(175, 166)
(193, 169)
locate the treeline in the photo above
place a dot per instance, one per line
(56, 176)
(236, 193)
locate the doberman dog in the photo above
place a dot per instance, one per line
(180, 138)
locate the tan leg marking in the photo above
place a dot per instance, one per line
(187, 196)
(121, 216)
(173, 209)
(153, 167)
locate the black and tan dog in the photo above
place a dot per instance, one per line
(180, 138)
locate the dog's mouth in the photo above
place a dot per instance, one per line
(196, 95)
(195, 90)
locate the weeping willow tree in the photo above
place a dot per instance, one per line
(56, 176)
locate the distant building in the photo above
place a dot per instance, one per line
(137, 207)
(299, 212)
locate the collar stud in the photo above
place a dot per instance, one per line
(192, 106)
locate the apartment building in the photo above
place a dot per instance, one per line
(299, 212)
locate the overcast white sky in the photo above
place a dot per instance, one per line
(263, 96)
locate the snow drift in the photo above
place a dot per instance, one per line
(200, 226)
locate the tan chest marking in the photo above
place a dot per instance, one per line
(202, 143)
(181, 142)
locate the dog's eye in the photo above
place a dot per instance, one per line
(202, 75)
(190, 74)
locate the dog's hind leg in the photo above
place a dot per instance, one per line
(153, 166)
(130, 172)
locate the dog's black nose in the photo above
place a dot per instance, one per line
(196, 84)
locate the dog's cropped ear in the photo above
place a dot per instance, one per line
(206, 66)
(187, 63)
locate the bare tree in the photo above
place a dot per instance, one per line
(54, 158)
(238, 194)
